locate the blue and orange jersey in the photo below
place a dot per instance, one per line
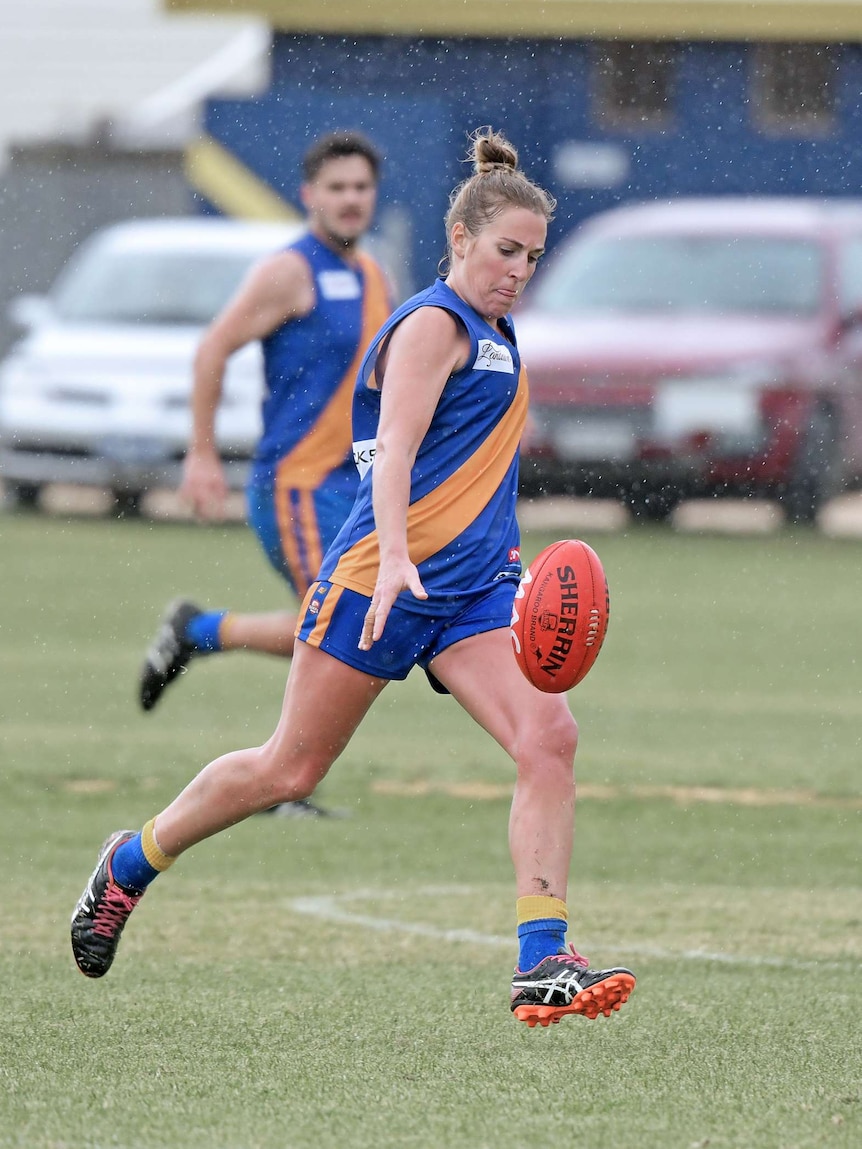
(462, 533)
(310, 366)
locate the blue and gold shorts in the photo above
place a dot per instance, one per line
(295, 528)
(331, 618)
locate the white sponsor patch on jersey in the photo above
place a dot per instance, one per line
(363, 455)
(494, 357)
(339, 285)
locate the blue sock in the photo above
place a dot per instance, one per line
(130, 868)
(203, 630)
(539, 939)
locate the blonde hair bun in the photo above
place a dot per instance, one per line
(491, 151)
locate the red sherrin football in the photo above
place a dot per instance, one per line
(560, 616)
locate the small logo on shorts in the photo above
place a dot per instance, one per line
(314, 606)
(514, 555)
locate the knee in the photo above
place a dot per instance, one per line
(567, 736)
(549, 745)
(559, 738)
(298, 783)
(281, 780)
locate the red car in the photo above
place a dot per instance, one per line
(699, 347)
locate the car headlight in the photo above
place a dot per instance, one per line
(17, 374)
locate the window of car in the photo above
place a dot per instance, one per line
(850, 277)
(717, 274)
(134, 286)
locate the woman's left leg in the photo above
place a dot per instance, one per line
(538, 732)
(540, 735)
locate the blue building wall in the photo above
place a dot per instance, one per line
(418, 99)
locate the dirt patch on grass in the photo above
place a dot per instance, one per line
(681, 795)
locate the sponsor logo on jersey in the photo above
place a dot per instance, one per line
(339, 285)
(494, 357)
(363, 455)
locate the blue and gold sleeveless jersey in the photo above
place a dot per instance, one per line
(461, 528)
(310, 366)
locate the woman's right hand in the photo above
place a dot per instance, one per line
(392, 578)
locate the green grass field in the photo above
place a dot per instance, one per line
(344, 983)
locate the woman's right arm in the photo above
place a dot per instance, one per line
(423, 352)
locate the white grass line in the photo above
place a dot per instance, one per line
(331, 908)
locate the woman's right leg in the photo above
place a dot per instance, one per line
(310, 735)
(324, 702)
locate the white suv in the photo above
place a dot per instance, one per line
(97, 391)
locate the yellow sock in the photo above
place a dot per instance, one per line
(534, 907)
(153, 852)
(541, 929)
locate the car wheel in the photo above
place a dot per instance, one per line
(25, 496)
(127, 504)
(816, 472)
(651, 502)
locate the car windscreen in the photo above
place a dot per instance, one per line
(716, 274)
(105, 286)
